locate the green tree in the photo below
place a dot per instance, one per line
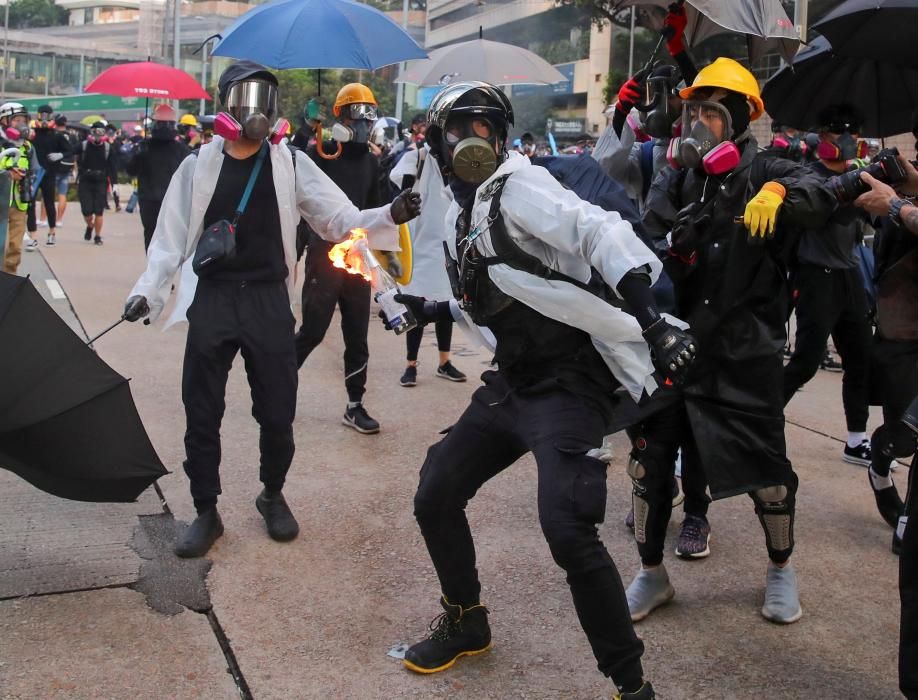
(25, 14)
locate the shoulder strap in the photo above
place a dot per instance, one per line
(244, 202)
(422, 158)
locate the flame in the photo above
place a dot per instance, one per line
(350, 254)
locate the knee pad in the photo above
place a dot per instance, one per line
(894, 440)
(775, 511)
(639, 501)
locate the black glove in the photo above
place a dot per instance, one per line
(688, 231)
(424, 311)
(405, 207)
(136, 308)
(673, 350)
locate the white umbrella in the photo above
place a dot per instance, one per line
(479, 59)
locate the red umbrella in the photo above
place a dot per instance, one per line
(149, 80)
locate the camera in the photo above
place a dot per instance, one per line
(886, 168)
(26, 186)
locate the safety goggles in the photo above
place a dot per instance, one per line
(362, 110)
(252, 97)
(467, 128)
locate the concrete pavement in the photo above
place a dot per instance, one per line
(315, 618)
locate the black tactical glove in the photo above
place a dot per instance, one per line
(688, 231)
(673, 350)
(136, 308)
(405, 207)
(424, 311)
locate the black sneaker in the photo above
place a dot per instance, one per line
(87, 234)
(410, 377)
(889, 503)
(859, 455)
(281, 524)
(358, 419)
(896, 547)
(456, 633)
(645, 692)
(447, 371)
(200, 536)
(98, 240)
(830, 364)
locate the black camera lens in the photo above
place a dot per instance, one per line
(886, 168)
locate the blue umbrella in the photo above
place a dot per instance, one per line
(317, 34)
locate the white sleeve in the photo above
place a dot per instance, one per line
(620, 158)
(330, 213)
(407, 165)
(534, 202)
(170, 240)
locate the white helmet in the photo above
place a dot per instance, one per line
(12, 109)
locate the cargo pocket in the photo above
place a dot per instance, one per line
(588, 487)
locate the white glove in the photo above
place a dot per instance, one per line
(54, 157)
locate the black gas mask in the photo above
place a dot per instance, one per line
(657, 113)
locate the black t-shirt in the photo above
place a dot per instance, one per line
(259, 245)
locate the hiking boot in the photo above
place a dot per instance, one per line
(282, 526)
(448, 371)
(98, 240)
(889, 504)
(87, 234)
(782, 602)
(51, 240)
(648, 591)
(645, 692)
(200, 536)
(358, 419)
(410, 377)
(455, 633)
(830, 364)
(694, 537)
(859, 455)
(31, 246)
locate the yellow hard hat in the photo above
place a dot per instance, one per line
(353, 93)
(727, 74)
(189, 120)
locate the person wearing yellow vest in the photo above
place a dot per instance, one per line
(14, 130)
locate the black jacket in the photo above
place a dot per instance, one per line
(52, 141)
(734, 296)
(153, 162)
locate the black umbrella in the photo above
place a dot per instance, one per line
(68, 424)
(880, 29)
(884, 93)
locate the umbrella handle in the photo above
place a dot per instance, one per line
(319, 149)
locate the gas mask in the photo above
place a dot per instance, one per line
(471, 149)
(163, 131)
(845, 147)
(251, 106)
(698, 147)
(362, 117)
(657, 115)
(97, 136)
(45, 122)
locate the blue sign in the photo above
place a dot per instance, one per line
(563, 88)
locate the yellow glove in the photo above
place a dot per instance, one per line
(762, 210)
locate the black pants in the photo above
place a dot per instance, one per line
(908, 590)
(324, 287)
(444, 330)
(896, 379)
(92, 196)
(498, 428)
(47, 192)
(149, 213)
(832, 302)
(655, 442)
(254, 319)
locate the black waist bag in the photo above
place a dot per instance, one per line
(218, 242)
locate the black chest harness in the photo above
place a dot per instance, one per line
(471, 284)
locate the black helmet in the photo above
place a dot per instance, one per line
(471, 97)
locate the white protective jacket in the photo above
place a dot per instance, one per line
(309, 194)
(570, 236)
(428, 278)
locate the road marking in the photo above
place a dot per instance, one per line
(56, 290)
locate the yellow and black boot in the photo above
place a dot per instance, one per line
(645, 692)
(455, 633)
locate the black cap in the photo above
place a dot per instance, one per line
(45, 109)
(60, 120)
(239, 71)
(98, 125)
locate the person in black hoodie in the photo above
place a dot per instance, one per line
(52, 148)
(356, 171)
(153, 162)
(95, 167)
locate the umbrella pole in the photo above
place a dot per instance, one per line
(117, 323)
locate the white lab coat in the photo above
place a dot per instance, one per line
(570, 236)
(428, 231)
(310, 195)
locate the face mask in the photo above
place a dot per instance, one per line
(250, 105)
(846, 147)
(227, 127)
(698, 139)
(472, 150)
(657, 116)
(357, 132)
(12, 134)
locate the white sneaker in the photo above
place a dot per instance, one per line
(31, 246)
(50, 239)
(648, 591)
(40, 222)
(782, 602)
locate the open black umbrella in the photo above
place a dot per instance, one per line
(68, 424)
(883, 30)
(884, 93)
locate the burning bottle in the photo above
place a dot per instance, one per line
(354, 256)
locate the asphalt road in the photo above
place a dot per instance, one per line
(93, 604)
